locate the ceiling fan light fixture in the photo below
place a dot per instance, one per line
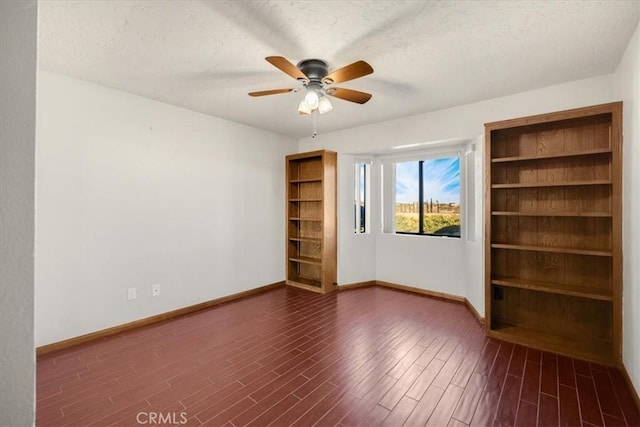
(324, 105)
(311, 99)
(303, 108)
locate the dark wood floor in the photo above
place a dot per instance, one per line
(368, 356)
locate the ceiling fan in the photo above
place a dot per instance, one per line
(318, 82)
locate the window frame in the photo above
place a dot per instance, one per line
(360, 163)
(388, 164)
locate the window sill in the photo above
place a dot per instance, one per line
(437, 236)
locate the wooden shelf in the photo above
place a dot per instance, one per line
(554, 288)
(307, 260)
(565, 344)
(305, 239)
(552, 249)
(591, 152)
(311, 250)
(567, 214)
(300, 181)
(553, 184)
(309, 284)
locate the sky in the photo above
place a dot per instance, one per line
(441, 180)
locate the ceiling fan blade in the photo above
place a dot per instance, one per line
(350, 72)
(271, 92)
(349, 95)
(287, 67)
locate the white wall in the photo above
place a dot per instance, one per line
(425, 262)
(474, 244)
(433, 263)
(360, 248)
(132, 192)
(627, 88)
(464, 122)
(18, 28)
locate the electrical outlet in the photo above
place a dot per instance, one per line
(131, 294)
(155, 290)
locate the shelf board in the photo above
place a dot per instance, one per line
(569, 214)
(552, 249)
(306, 260)
(305, 200)
(306, 283)
(306, 239)
(301, 181)
(554, 288)
(551, 156)
(553, 184)
(305, 219)
(594, 350)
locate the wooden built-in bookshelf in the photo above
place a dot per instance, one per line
(311, 220)
(553, 253)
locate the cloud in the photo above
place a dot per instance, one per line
(441, 180)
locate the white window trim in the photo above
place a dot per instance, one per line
(367, 195)
(388, 196)
(471, 204)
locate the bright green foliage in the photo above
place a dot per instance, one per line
(408, 223)
(433, 223)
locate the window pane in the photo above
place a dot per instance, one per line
(363, 198)
(360, 206)
(441, 184)
(407, 191)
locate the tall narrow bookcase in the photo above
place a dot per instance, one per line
(311, 220)
(553, 224)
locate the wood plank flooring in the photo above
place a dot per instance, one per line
(362, 357)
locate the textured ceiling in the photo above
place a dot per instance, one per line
(427, 55)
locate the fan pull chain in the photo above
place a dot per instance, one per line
(315, 123)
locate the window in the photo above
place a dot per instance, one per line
(361, 200)
(427, 197)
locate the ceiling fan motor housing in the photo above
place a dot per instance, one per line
(314, 69)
